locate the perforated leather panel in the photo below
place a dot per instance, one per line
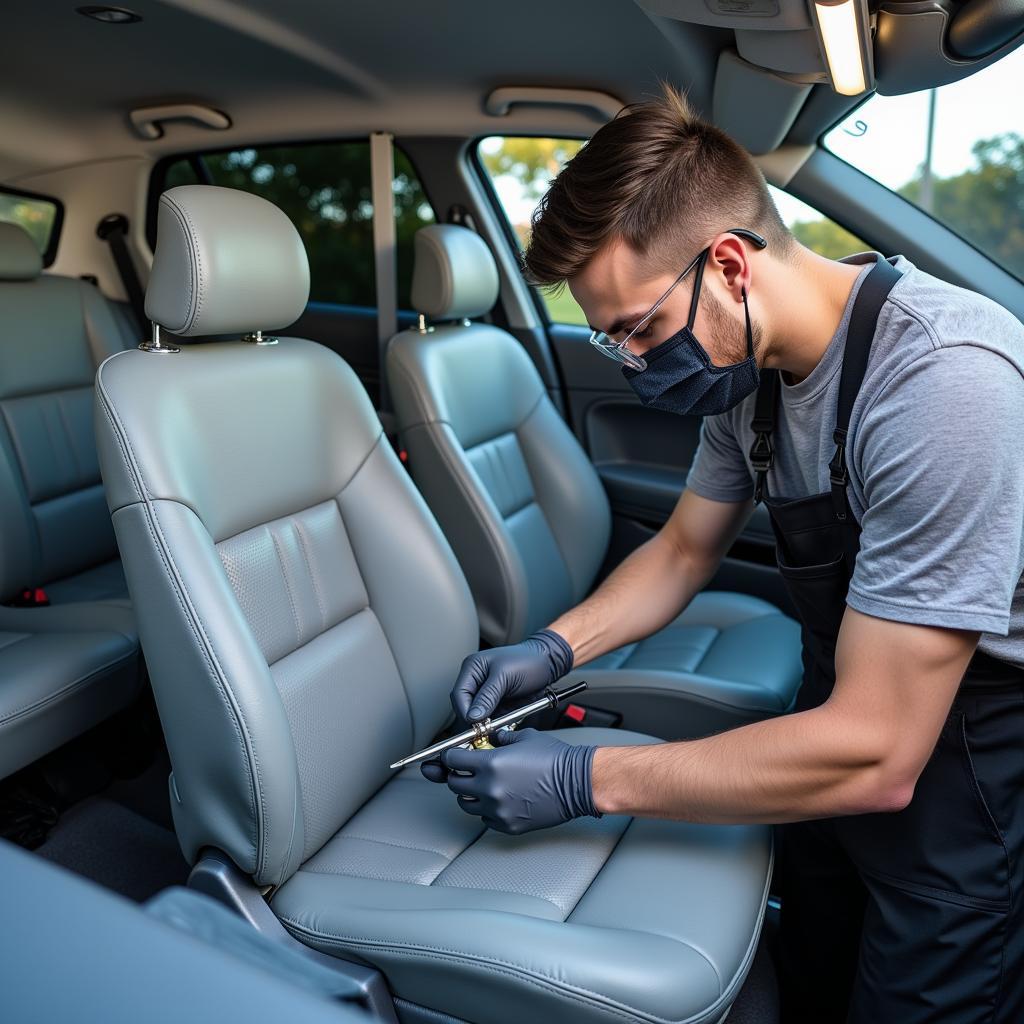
(298, 584)
(56, 332)
(414, 831)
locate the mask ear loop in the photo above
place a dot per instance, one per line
(746, 315)
(698, 278)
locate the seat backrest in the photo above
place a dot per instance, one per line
(54, 333)
(301, 614)
(512, 488)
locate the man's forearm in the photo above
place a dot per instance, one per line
(808, 765)
(646, 592)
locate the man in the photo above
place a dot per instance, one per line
(877, 412)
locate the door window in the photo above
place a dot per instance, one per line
(956, 152)
(325, 189)
(39, 216)
(520, 170)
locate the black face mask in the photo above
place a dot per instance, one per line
(680, 376)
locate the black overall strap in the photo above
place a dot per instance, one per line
(863, 320)
(762, 455)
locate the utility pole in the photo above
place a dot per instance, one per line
(927, 200)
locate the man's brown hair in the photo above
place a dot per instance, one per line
(660, 179)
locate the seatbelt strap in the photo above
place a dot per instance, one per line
(113, 229)
(762, 455)
(859, 337)
(382, 176)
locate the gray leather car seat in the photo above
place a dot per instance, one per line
(65, 667)
(525, 511)
(303, 618)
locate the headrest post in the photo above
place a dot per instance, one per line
(155, 345)
(422, 327)
(256, 338)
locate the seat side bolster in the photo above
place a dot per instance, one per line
(569, 492)
(474, 527)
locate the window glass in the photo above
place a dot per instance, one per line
(325, 190)
(36, 215)
(521, 169)
(956, 152)
(815, 230)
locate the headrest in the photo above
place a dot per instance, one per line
(19, 256)
(453, 275)
(226, 262)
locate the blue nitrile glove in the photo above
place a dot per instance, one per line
(492, 677)
(522, 670)
(531, 780)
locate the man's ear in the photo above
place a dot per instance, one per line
(728, 256)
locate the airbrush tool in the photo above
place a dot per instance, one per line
(477, 735)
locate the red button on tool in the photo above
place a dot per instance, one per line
(575, 712)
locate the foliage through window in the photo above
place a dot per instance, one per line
(521, 169)
(813, 229)
(325, 189)
(36, 215)
(957, 152)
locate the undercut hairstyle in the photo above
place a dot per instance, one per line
(659, 178)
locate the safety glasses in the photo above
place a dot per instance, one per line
(619, 350)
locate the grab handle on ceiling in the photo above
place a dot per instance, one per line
(147, 121)
(500, 101)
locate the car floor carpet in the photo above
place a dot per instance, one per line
(116, 847)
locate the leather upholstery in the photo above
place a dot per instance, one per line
(454, 275)
(262, 573)
(511, 488)
(65, 667)
(62, 671)
(20, 259)
(207, 280)
(303, 618)
(528, 518)
(56, 331)
(608, 919)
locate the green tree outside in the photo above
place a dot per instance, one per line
(984, 204)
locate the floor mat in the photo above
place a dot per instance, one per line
(758, 999)
(117, 848)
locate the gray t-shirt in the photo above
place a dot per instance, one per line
(935, 454)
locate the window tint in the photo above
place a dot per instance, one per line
(325, 190)
(956, 152)
(40, 217)
(520, 169)
(815, 230)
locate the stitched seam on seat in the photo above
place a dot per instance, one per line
(299, 532)
(533, 487)
(79, 471)
(238, 718)
(611, 853)
(400, 846)
(194, 299)
(323, 632)
(489, 528)
(536, 978)
(234, 716)
(377, 445)
(64, 691)
(287, 587)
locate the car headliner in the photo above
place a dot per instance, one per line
(315, 69)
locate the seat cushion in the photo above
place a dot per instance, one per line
(598, 920)
(62, 671)
(726, 660)
(105, 582)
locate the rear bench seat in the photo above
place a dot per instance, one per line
(64, 667)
